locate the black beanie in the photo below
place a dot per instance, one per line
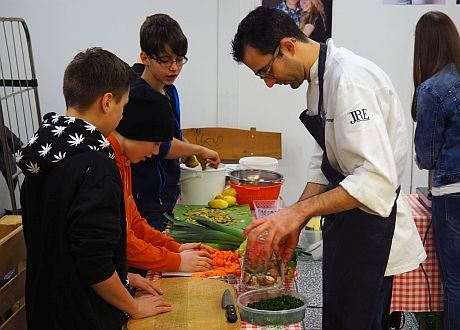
(147, 117)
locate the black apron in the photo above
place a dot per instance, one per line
(356, 245)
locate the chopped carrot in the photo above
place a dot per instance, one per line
(225, 263)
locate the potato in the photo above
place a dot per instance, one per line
(191, 161)
(230, 200)
(229, 192)
(218, 204)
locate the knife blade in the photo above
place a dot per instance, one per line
(228, 304)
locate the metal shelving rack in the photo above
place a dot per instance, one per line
(19, 103)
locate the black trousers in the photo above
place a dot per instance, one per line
(356, 250)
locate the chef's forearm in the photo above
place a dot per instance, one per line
(312, 189)
(116, 294)
(332, 201)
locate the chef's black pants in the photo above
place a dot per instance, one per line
(356, 249)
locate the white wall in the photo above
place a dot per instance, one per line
(385, 35)
(214, 89)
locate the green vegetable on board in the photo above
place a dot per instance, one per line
(205, 231)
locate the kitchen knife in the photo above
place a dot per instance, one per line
(227, 303)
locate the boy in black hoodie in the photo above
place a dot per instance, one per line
(73, 211)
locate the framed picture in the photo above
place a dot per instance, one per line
(314, 17)
(415, 2)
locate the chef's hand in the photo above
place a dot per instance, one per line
(195, 261)
(148, 305)
(196, 246)
(283, 230)
(139, 282)
(211, 156)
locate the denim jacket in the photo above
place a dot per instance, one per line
(437, 136)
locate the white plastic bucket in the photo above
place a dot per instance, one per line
(199, 187)
(258, 163)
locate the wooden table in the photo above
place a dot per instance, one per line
(244, 325)
(410, 290)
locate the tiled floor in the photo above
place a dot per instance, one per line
(310, 283)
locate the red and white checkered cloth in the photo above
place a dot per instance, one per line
(410, 290)
(244, 325)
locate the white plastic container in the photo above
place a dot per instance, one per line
(263, 208)
(312, 242)
(309, 237)
(258, 163)
(198, 187)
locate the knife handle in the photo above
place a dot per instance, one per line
(230, 313)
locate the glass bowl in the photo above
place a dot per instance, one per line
(264, 317)
(257, 273)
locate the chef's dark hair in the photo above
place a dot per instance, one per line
(93, 73)
(437, 43)
(160, 30)
(263, 28)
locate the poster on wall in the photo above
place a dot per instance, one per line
(314, 17)
(415, 2)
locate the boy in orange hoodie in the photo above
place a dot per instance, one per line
(138, 137)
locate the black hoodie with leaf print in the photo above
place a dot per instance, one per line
(74, 225)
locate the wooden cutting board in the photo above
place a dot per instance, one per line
(196, 305)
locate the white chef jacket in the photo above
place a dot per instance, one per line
(366, 141)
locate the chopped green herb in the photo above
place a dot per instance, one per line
(280, 303)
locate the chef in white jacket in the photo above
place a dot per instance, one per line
(357, 119)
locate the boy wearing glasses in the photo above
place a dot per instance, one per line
(155, 180)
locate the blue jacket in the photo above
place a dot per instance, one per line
(437, 136)
(155, 180)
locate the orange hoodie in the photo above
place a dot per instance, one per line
(147, 248)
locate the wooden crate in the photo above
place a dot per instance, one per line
(13, 252)
(13, 220)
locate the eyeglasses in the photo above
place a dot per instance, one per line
(168, 61)
(266, 73)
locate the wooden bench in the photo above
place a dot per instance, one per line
(13, 256)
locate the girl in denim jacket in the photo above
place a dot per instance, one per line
(436, 108)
